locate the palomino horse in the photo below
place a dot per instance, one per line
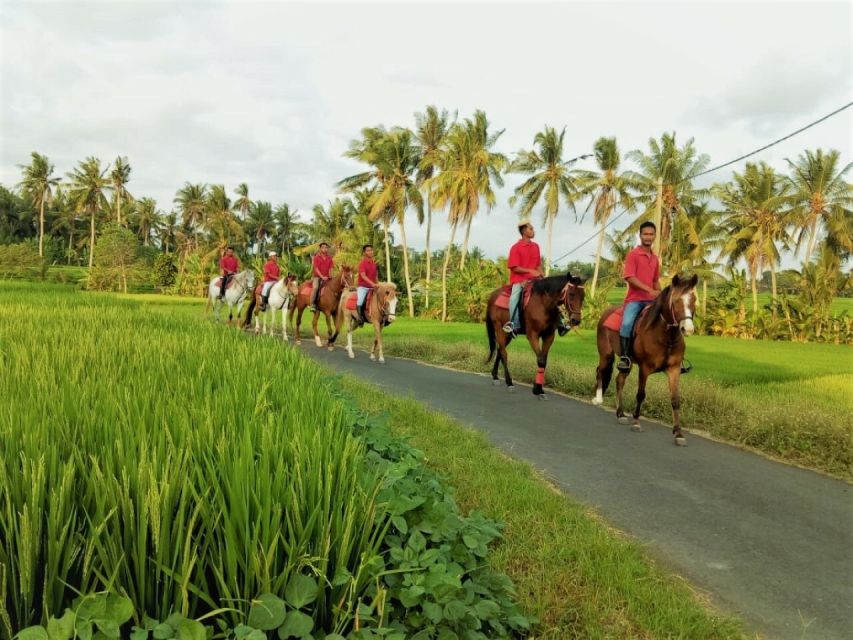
(658, 345)
(327, 304)
(280, 296)
(380, 308)
(541, 316)
(239, 287)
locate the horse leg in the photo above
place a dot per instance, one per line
(315, 320)
(541, 362)
(299, 311)
(603, 374)
(349, 322)
(502, 343)
(329, 344)
(284, 310)
(373, 348)
(673, 374)
(377, 328)
(620, 387)
(641, 395)
(497, 354)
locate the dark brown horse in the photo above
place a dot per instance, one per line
(327, 304)
(658, 345)
(540, 319)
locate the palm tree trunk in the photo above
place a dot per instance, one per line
(92, 240)
(754, 282)
(387, 251)
(118, 208)
(70, 245)
(548, 250)
(406, 269)
(41, 228)
(773, 287)
(428, 256)
(598, 258)
(465, 243)
(444, 273)
(812, 235)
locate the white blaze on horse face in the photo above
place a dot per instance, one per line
(687, 327)
(392, 308)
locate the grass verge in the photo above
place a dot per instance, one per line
(580, 578)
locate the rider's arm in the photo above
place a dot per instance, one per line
(364, 276)
(524, 270)
(635, 282)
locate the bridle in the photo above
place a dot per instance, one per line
(688, 315)
(567, 295)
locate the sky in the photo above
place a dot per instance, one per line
(272, 93)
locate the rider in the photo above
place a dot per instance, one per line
(642, 273)
(228, 266)
(367, 279)
(272, 274)
(524, 263)
(322, 271)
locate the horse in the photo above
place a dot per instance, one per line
(327, 303)
(239, 287)
(280, 295)
(658, 345)
(541, 316)
(381, 310)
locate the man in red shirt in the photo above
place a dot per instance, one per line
(368, 278)
(228, 266)
(524, 263)
(322, 271)
(272, 274)
(642, 273)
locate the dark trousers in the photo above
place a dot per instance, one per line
(224, 284)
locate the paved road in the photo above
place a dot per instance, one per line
(770, 542)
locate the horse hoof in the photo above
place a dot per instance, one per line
(318, 343)
(351, 355)
(511, 388)
(597, 401)
(372, 358)
(381, 360)
(331, 348)
(298, 343)
(636, 427)
(623, 420)
(497, 382)
(542, 396)
(680, 441)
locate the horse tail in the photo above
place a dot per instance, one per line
(250, 310)
(339, 318)
(490, 332)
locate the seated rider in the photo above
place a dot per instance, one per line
(322, 271)
(524, 263)
(272, 274)
(368, 278)
(642, 273)
(228, 266)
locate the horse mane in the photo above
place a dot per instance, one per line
(554, 284)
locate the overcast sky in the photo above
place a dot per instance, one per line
(271, 93)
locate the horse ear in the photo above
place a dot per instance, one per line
(676, 280)
(569, 275)
(694, 280)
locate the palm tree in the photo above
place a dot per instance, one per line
(146, 219)
(607, 189)
(225, 229)
(695, 235)
(87, 191)
(286, 227)
(65, 221)
(756, 221)
(169, 231)
(550, 178)
(329, 224)
(431, 129)
(260, 223)
(191, 200)
(819, 191)
(468, 167)
(244, 203)
(37, 183)
(675, 167)
(119, 177)
(397, 161)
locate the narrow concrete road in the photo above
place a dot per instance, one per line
(769, 542)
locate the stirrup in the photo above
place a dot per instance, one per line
(562, 330)
(686, 366)
(620, 364)
(508, 328)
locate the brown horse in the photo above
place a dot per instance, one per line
(658, 345)
(541, 317)
(380, 309)
(327, 304)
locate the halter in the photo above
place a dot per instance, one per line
(676, 321)
(564, 295)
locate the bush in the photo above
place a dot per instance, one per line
(21, 261)
(118, 264)
(165, 270)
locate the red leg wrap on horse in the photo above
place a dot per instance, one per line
(540, 376)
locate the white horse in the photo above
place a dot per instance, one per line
(281, 295)
(235, 295)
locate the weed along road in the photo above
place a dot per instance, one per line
(770, 542)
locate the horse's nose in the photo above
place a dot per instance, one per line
(575, 321)
(687, 328)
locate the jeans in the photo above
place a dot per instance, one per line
(361, 292)
(632, 310)
(515, 304)
(266, 290)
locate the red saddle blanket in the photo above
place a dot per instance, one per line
(502, 301)
(614, 320)
(218, 282)
(308, 287)
(352, 300)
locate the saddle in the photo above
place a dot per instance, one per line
(614, 320)
(353, 300)
(502, 301)
(308, 287)
(230, 284)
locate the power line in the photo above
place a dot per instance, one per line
(726, 164)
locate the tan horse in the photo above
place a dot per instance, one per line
(658, 345)
(327, 304)
(381, 309)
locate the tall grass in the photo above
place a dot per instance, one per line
(171, 461)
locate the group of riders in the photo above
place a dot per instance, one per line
(641, 274)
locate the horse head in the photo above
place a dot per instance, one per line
(346, 277)
(573, 298)
(291, 285)
(386, 299)
(246, 278)
(682, 304)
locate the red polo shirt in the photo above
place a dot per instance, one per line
(524, 254)
(323, 265)
(368, 267)
(645, 266)
(272, 272)
(229, 264)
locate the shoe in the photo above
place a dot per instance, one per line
(562, 329)
(624, 363)
(686, 366)
(508, 328)
(312, 308)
